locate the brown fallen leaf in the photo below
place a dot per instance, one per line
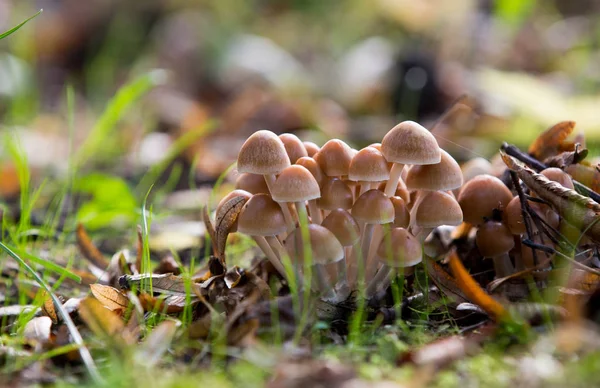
(579, 211)
(549, 142)
(88, 249)
(444, 282)
(165, 283)
(565, 159)
(37, 330)
(48, 308)
(226, 221)
(210, 229)
(102, 321)
(110, 297)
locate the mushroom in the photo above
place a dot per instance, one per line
(263, 153)
(311, 165)
(408, 143)
(335, 194)
(334, 158)
(295, 185)
(436, 209)
(252, 183)
(367, 168)
(324, 248)
(370, 209)
(346, 230)
(311, 148)
(494, 240)
(481, 196)
(293, 146)
(399, 249)
(261, 218)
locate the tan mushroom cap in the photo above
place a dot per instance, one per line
(513, 217)
(445, 175)
(252, 183)
(261, 216)
(480, 196)
(343, 226)
(295, 184)
(373, 207)
(324, 245)
(559, 176)
(368, 165)
(335, 194)
(293, 146)
(311, 165)
(438, 208)
(399, 249)
(311, 148)
(410, 143)
(494, 239)
(474, 167)
(242, 194)
(263, 153)
(334, 158)
(401, 213)
(401, 190)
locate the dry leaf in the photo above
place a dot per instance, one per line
(110, 297)
(579, 211)
(226, 220)
(548, 142)
(444, 282)
(157, 343)
(140, 251)
(38, 330)
(165, 283)
(48, 308)
(101, 320)
(88, 249)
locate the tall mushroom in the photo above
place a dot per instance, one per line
(263, 153)
(296, 185)
(334, 158)
(408, 143)
(367, 168)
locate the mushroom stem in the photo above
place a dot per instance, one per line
(392, 183)
(352, 265)
(342, 279)
(323, 283)
(315, 212)
(266, 248)
(502, 265)
(364, 187)
(289, 220)
(375, 241)
(423, 233)
(365, 245)
(380, 281)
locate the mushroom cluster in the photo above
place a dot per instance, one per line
(354, 218)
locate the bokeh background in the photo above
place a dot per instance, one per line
(349, 69)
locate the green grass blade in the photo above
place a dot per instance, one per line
(51, 266)
(14, 29)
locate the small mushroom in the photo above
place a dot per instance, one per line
(494, 240)
(481, 196)
(334, 158)
(296, 185)
(367, 168)
(293, 146)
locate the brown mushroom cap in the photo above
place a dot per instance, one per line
(373, 207)
(410, 143)
(261, 216)
(263, 153)
(334, 158)
(558, 175)
(474, 167)
(401, 213)
(324, 245)
(335, 194)
(445, 175)
(513, 217)
(368, 165)
(295, 184)
(293, 146)
(494, 239)
(399, 249)
(480, 196)
(343, 226)
(311, 165)
(252, 183)
(401, 191)
(311, 148)
(438, 208)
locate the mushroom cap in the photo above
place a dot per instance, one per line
(445, 175)
(293, 146)
(295, 184)
(410, 143)
(334, 157)
(480, 196)
(324, 245)
(263, 153)
(474, 167)
(343, 226)
(494, 239)
(311, 148)
(401, 213)
(438, 208)
(243, 194)
(335, 194)
(311, 165)
(513, 217)
(401, 190)
(261, 216)
(252, 183)
(368, 165)
(399, 249)
(559, 176)
(373, 207)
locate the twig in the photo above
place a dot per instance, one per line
(524, 213)
(538, 166)
(544, 248)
